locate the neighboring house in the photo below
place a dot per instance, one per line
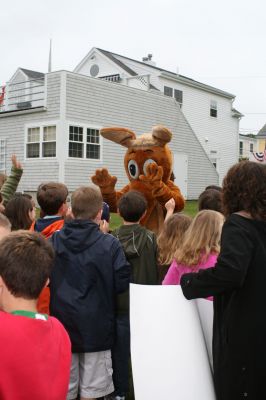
(248, 144)
(58, 139)
(208, 110)
(261, 137)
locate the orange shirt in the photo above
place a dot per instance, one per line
(44, 298)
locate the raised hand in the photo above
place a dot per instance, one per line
(104, 180)
(153, 178)
(170, 205)
(15, 162)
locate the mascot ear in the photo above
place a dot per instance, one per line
(161, 134)
(122, 136)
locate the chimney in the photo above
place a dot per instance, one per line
(148, 60)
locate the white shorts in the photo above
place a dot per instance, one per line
(91, 375)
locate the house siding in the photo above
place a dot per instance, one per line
(221, 145)
(98, 103)
(12, 127)
(215, 134)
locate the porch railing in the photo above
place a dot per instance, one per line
(22, 95)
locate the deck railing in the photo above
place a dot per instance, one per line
(22, 95)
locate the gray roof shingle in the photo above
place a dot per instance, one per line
(33, 74)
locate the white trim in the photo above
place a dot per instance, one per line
(198, 85)
(45, 91)
(85, 127)
(40, 125)
(4, 139)
(62, 128)
(5, 114)
(100, 54)
(14, 75)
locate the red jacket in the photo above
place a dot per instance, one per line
(35, 358)
(55, 225)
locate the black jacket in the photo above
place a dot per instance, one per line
(90, 268)
(238, 282)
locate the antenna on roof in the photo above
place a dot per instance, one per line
(50, 58)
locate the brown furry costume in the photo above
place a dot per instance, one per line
(148, 164)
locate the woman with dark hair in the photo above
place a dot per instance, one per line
(20, 212)
(238, 283)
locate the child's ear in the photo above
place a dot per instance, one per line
(47, 283)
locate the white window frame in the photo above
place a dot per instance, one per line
(41, 126)
(84, 142)
(168, 88)
(174, 95)
(241, 148)
(3, 171)
(251, 144)
(213, 106)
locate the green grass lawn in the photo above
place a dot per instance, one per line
(190, 209)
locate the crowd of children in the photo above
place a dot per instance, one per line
(64, 283)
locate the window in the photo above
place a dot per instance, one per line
(168, 91)
(179, 96)
(84, 143)
(33, 143)
(76, 147)
(41, 142)
(49, 141)
(251, 147)
(241, 148)
(213, 109)
(93, 145)
(3, 156)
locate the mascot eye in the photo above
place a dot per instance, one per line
(147, 162)
(133, 169)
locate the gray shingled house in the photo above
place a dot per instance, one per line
(52, 121)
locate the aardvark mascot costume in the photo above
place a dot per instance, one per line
(148, 164)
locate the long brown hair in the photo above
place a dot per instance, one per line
(244, 189)
(201, 239)
(171, 237)
(17, 211)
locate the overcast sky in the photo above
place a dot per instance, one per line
(221, 43)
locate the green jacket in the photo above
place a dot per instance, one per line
(140, 248)
(11, 184)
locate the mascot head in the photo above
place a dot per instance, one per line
(143, 150)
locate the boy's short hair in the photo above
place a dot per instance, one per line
(214, 187)
(51, 196)
(132, 205)
(26, 260)
(86, 202)
(4, 222)
(210, 199)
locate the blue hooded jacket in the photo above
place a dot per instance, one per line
(90, 269)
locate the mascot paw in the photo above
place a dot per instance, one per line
(104, 180)
(153, 177)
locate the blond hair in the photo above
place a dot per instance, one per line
(201, 239)
(171, 237)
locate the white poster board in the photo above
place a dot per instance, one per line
(168, 351)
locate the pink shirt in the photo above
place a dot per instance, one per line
(175, 271)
